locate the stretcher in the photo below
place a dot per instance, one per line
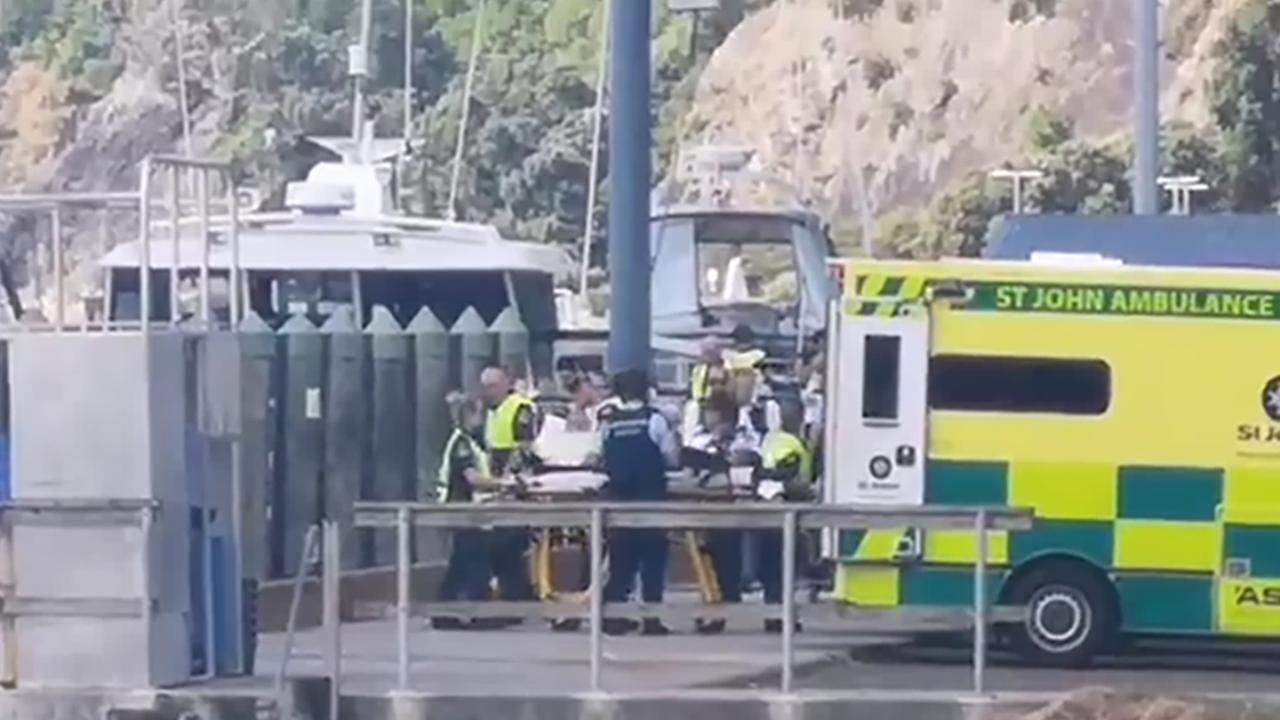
(576, 484)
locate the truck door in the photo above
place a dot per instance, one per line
(877, 426)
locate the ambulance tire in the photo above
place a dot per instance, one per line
(1071, 614)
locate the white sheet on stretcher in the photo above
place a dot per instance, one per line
(558, 446)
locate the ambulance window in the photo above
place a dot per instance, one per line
(880, 377)
(1019, 385)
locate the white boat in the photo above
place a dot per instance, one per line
(338, 243)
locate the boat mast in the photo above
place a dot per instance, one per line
(593, 181)
(358, 68)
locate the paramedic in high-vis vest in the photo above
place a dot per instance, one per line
(718, 447)
(709, 371)
(465, 477)
(706, 377)
(510, 430)
(785, 475)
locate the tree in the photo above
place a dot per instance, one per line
(1082, 177)
(1195, 151)
(1246, 105)
(957, 224)
(1048, 130)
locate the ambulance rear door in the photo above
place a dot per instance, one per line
(877, 402)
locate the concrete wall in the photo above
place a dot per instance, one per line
(92, 419)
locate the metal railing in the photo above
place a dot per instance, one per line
(597, 517)
(322, 546)
(199, 175)
(80, 513)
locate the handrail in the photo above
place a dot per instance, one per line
(597, 516)
(675, 515)
(306, 562)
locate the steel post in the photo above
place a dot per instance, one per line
(1146, 91)
(629, 167)
(402, 596)
(145, 521)
(234, 283)
(788, 597)
(291, 625)
(597, 598)
(175, 235)
(980, 605)
(202, 189)
(332, 583)
(59, 283)
(206, 556)
(144, 245)
(8, 623)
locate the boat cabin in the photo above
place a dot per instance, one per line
(335, 246)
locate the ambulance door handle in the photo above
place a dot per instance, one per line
(906, 456)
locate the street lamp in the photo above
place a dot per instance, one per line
(1180, 188)
(1017, 176)
(694, 8)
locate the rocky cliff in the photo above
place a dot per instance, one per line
(894, 101)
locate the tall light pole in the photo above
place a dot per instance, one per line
(630, 144)
(1146, 110)
(1018, 177)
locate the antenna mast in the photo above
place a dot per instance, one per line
(477, 38)
(593, 181)
(358, 68)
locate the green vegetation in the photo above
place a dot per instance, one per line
(1246, 104)
(526, 160)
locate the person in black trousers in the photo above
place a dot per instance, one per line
(785, 475)
(637, 447)
(465, 477)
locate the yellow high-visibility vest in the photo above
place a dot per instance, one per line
(704, 378)
(500, 427)
(446, 466)
(779, 446)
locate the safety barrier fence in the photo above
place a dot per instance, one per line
(597, 518)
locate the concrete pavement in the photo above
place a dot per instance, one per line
(533, 674)
(535, 660)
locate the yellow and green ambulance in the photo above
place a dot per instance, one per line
(1135, 410)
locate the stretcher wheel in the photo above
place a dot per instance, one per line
(708, 627)
(567, 625)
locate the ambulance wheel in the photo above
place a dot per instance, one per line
(1071, 614)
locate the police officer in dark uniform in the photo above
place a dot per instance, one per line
(637, 447)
